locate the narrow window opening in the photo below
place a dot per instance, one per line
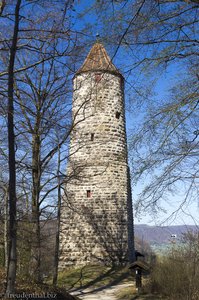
(88, 193)
(98, 77)
(92, 136)
(117, 114)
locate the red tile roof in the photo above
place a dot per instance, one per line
(98, 60)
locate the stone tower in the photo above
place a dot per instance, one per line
(97, 222)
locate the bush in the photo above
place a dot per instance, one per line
(177, 274)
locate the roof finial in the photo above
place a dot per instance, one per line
(97, 37)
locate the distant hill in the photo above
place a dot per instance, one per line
(158, 235)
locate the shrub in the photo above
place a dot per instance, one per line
(177, 274)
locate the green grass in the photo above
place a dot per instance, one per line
(93, 276)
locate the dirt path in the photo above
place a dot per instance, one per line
(108, 293)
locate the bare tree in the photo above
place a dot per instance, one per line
(12, 253)
(36, 126)
(39, 48)
(165, 147)
(160, 37)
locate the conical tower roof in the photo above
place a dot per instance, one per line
(98, 60)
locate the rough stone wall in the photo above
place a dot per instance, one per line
(94, 209)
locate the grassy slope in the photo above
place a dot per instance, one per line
(100, 276)
(85, 277)
(93, 276)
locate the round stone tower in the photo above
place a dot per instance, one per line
(96, 222)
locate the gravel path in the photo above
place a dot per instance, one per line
(107, 293)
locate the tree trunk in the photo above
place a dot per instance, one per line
(131, 246)
(12, 256)
(56, 258)
(6, 228)
(35, 264)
